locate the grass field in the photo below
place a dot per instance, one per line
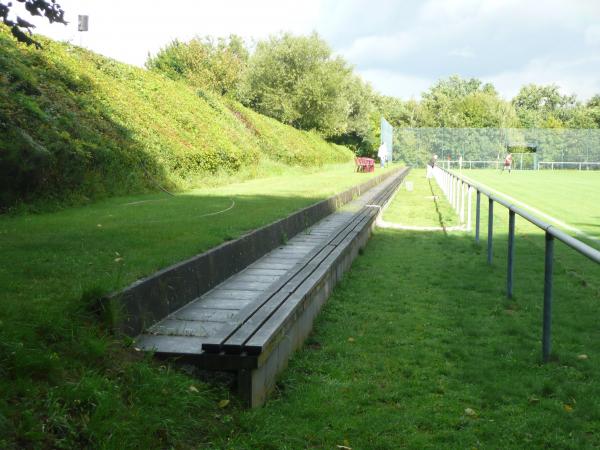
(423, 206)
(568, 195)
(419, 348)
(64, 381)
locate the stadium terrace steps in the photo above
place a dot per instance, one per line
(255, 319)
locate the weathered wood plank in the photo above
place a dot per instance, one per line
(177, 327)
(205, 314)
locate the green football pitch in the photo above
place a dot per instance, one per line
(569, 199)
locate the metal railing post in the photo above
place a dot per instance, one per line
(462, 202)
(457, 196)
(469, 206)
(490, 237)
(511, 254)
(547, 327)
(477, 216)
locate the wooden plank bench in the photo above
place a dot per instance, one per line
(258, 341)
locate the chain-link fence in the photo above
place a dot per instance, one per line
(533, 148)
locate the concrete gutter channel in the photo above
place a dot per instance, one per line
(247, 304)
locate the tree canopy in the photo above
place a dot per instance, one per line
(296, 80)
(205, 62)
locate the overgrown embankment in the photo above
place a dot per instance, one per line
(75, 125)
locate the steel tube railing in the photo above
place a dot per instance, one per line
(552, 233)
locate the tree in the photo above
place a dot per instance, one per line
(359, 133)
(296, 80)
(217, 65)
(20, 28)
(465, 103)
(593, 108)
(543, 106)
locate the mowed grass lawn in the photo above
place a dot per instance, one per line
(420, 202)
(419, 347)
(64, 381)
(570, 196)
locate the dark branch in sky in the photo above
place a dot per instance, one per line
(20, 28)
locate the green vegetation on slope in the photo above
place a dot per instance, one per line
(65, 382)
(74, 124)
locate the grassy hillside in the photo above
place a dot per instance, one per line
(76, 125)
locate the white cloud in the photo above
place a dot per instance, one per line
(464, 52)
(397, 84)
(571, 76)
(592, 35)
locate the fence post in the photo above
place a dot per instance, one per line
(477, 216)
(469, 206)
(462, 202)
(446, 184)
(457, 196)
(490, 254)
(457, 202)
(511, 253)
(547, 327)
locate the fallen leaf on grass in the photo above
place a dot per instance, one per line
(193, 389)
(568, 408)
(533, 399)
(223, 403)
(470, 412)
(350, 339)
(344, 447)
(582, 357)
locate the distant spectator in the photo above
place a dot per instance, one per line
(431, 165)
(382, 153)
(507, 163)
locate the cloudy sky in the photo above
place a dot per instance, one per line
(400, 47)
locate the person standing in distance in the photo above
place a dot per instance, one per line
(507, 163)
(431, 165)
(382, 154)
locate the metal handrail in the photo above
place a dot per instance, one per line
(453, 180)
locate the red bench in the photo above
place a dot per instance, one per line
(364, 164)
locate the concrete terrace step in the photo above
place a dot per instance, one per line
(185, 330)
